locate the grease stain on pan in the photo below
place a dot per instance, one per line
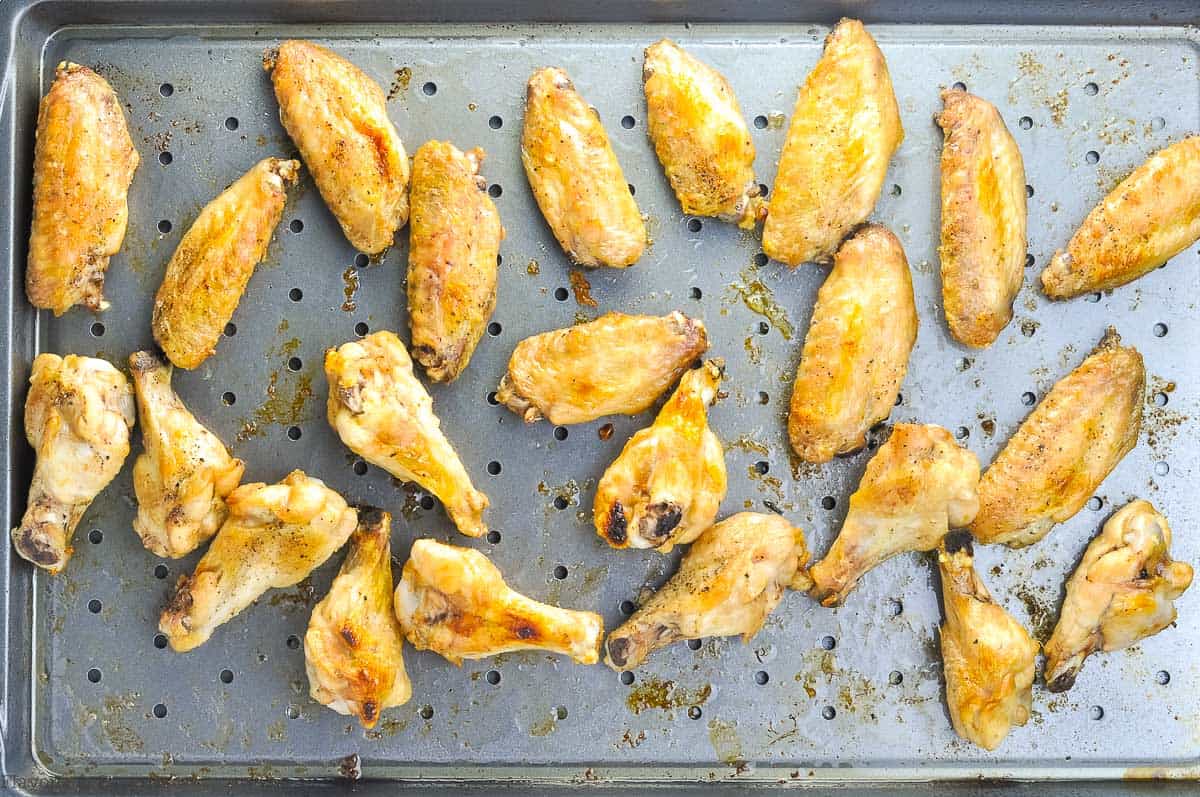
(665, 695)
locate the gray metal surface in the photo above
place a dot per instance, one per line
(689, 714)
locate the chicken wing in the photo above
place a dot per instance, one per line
(668, 482)
(700, 135)
(617, 364)
(983, 218)
(454, 602)
(353, 649)
(454, 239)
(185, 473)
(83, 163)
(383, 414)
(844, 129)
(1066, 447)
(212, 264)
(337, 117)
(856, 352)
(919, 485)
(275, 535)
(78, 416)
(1153, 215)
(727, 583)
(575, 176)
(1122, 591)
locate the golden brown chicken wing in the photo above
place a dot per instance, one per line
(575, 176)
(855, 355)
(844, 129)
(78, 416)
(1070, 442)
(337, 117)
(454, 602)
(212, 264)
(1153, 215)
(983, 218)
(617, 364)
(83, 163)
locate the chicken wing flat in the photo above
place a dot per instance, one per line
(983, 218)
(617, 364)
(1122, 591)
(78, 417)
(844, 129)
(700, 135)
(353, 649)
(855, 355)
(1153, 215)
(917, 488)
(83, 163)
(667, 484)
(454, 239)
(337, 118)
(383, 414)
(1066, 447)
(185, 473)
(212, 264)
(727, 583)
(575, 176)
(454, 602)
(275, 535)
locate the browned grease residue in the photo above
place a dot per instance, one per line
(284, 406)
(400, 81)
(605, 432)
(533, 269)
(1041, 616)
(753, 350)
(749, 444)
(350, 278)
(665, 695)
(759, 299)
(582, 289)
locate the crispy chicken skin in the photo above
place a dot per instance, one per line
(454, 602)
(727, 583)
(353, 649)
(844, 129)
(988, 657)
(1066, 447)
(1122, 591)
(83, 163)
(207, 274)
(275, 535)
(983, 218)
(919, 485)
(184, 474)
(617, 364)
(856, 352)
(337, 117)
(78, 416)
(383, 414)
(454, 238)
(700, 135)
(575, 176)
(1151, 216)
(667, 484)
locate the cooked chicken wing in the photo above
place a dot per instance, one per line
(983, 218)
(1153, 215)
(575, 176)
(855, 355)
(919, 485)
(454, 602)
(212, 264)
(700, 135)
(78, 416)
(1122, 591)
(454, 239)
(383, 414)
(617, 364)
(353, 649)
(275, 535)
(337, 117)
(844, 129)
(83, 163)
(727, 583)
(1070, 442)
